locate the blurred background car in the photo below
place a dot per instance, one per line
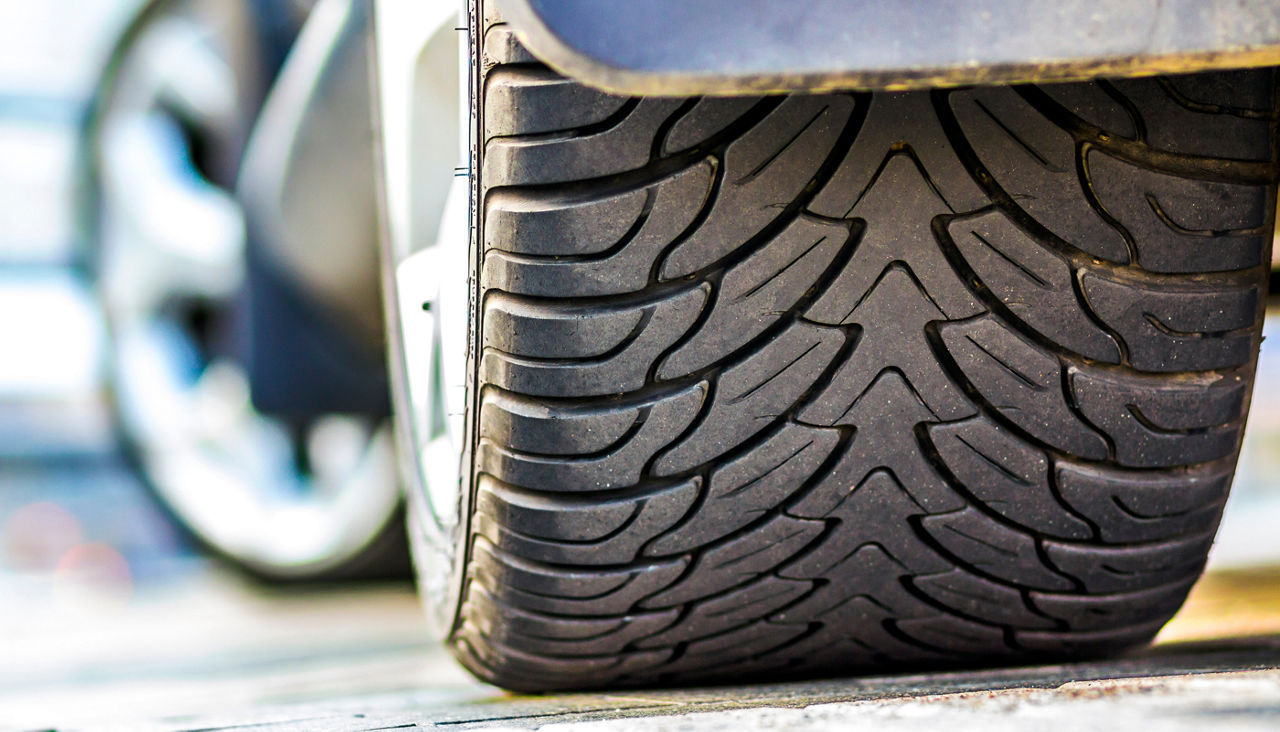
(230, 225)
(141, 297)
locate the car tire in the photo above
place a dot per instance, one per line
(827, 384)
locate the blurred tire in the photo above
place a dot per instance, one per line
(292, 491)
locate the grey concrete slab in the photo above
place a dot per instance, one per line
(1229, 684)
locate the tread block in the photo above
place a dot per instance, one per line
(549, 330)
(708, 118)
(557, 636)
(765, 171)
(622, 147)
(733, 609)
(740, 560)
(1172, 227)
(532, 100)
(1034, 161)
(755, 393)
(1020, 382)
(525, 670)
(1145, 506)
(893, 318)
(573, 591)
(1126, 609)
(535, 426)
(1159, 423)
(734, 647)
(876, 643)
(553, 247)
(564, 530)
(586, 351)
(994, 549)
(553, 225)
(502, 47)
(864, 609)
(899, 124)
(758, 292)
(1034, 283)
(876, 513)
(1075, 643)
(1133, 567)
(620, 466)
(1243, 93)
(1170, 125)
(957, 635)
(1091, 102)
(889, 241)
(748, 487)
(972, 596)
(1171, 330)
(888, 434)
(1007, 475)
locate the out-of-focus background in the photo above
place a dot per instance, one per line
(107, 605)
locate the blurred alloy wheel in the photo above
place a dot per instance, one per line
(285, 498)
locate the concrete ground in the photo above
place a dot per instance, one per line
(207, 650)
(174, 641)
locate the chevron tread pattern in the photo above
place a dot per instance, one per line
(822, 384)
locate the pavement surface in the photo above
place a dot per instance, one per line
(212, 652)
(193, 646)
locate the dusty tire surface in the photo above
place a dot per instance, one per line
(838, 383)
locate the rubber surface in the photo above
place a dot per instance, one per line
(824, 384)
